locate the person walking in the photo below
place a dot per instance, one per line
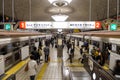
(36, 55)
(46, 52)
(32, 68)
(40, 53)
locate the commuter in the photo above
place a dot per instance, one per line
(32, 67)
(46, 52)
(40, 53)
(52, 43)
(117, 68)
(71, 54)
(81, 50)
(36, 55)
(99, 58)
(40, 44)
(73, 48)
(96, 54)
(68, 46)
(93, 51)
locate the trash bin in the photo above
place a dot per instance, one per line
(59, 51)
(12, 77)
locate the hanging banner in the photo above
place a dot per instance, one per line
(61, 25)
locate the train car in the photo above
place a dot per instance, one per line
(15, 49)
(112, 45)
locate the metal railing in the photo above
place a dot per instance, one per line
(93, 67)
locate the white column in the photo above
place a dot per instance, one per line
(12, 10)
(29, 10)
(108, 8)
(117, 10)
(90, 8)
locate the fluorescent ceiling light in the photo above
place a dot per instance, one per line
(67, 1)
(51, 1)
(59, 30)
(59, 17)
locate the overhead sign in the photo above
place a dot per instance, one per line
(22, 25)
(60, 25)
(82, 25)
(7, 26)
(113, 27)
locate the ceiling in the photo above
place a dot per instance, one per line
(39, 10)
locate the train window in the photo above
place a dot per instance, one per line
(107, 46)
(32, 41)
(36, 40)
(3, 50)
(17, 55)
(25, 43)
(8, 61)
(80, 39)
(9, 47)
(118, 50)
(16, 46)
(95, 43)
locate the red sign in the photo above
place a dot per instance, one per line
(22, 25)
(97, 25)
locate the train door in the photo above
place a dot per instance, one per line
(32, 41)
(16, 52)
(8, 56)
(106, 54)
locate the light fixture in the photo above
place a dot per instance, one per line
(68, 1)
(59, 17)
(51, 1)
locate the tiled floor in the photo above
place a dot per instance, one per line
(53, 71)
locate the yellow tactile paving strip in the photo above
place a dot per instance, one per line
(14, 69)
(42, 71)
(44, 68)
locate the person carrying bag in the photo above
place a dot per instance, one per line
(31, 67)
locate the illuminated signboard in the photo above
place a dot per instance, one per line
(22, 25)
(82, 25)
(113, 27)
(7, 26)
(60, 25)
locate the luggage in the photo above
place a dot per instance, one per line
(26, 68)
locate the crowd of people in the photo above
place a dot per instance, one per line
(96, 54)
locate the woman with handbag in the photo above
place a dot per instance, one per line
(32, 67)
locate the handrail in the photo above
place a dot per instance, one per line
(101, 70)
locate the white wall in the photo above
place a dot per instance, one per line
(113, 58)
(24, 52)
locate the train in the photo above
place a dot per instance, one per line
(111, 43)
(16, 49)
